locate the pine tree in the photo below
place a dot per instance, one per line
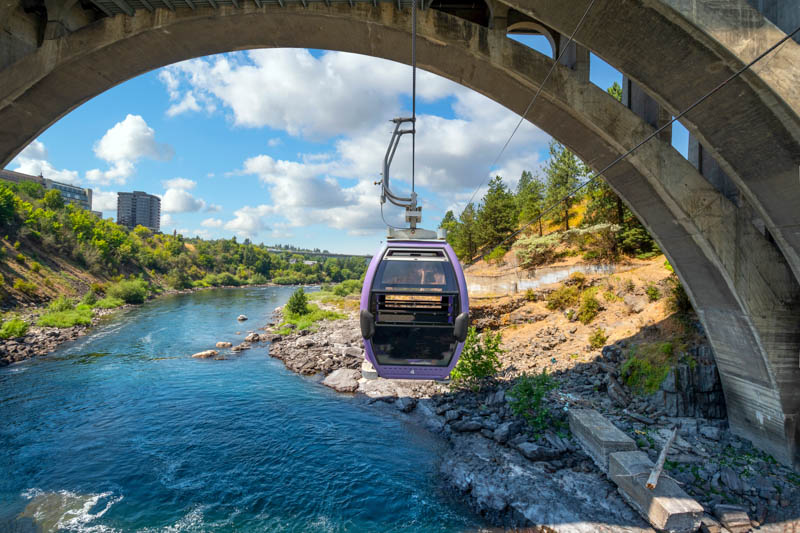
(564, 172)
(530, 198)
(497, 214)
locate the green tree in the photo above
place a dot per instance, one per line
(497, 214)
(616, 91)
(465, 239)
(298, 302)
(530, 198)
(7, 206)
(564, 172)
(53, 200)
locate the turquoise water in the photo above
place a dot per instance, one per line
(123, 431)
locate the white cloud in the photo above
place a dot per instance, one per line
(122, 146)
(166, 221)
(104, 200)
(180, 201)
(211, 223)
(179, 183)
(189, 103)
(213, 208)
(250, 221)
(273, 87)
(33, 161)
(275, 141)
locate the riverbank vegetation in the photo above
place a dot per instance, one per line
(49, 248)
(299, 314)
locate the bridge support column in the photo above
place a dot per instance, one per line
(710, 170)
(576, 57)
(638, 101)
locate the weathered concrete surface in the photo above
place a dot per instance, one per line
(743, 286)
(598, 437)
(666, 507)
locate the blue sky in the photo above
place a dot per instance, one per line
(283, 145)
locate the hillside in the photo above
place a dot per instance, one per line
(49, 248)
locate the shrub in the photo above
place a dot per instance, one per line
(90, 298)
(347, 287)
(496, 255)
(589, 307)
(598, 338)
(258, 279)
(24, 287)
(35, 266)
(131, 292)
(62, 303)
(630, 286)
(305, 321)
(16, 245)
(108, 303)
(527, 399)
(679, 301)
(67, 319)
(643, 375)
(562, 298)
(653, 293)
(534, 251)
(298, 303)
(20, 258)
(668, 266)
(576, 278)
(530, 295)
(97, 288)
(2, 280)
(479, 360)
(178, 279)
(13, 328)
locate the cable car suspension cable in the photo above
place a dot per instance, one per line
(641, 143)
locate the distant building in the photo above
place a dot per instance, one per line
(138, 208)
(70, 193)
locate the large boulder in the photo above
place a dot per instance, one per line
(343, 380)
(253, 337)
(241, 318)
(207, 354)
(224, 344)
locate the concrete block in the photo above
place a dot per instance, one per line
(667, 507)
(733, 517)
(598, 436)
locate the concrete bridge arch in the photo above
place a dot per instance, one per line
(737, 257)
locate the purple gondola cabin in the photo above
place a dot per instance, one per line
(414, 310)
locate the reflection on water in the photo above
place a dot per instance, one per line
(123, 431)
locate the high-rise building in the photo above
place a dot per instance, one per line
(70, 193)
(138, 208)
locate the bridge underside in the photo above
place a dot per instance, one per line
(731, 229)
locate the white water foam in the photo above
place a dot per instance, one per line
(70, 511)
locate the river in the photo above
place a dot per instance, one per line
(122, 431)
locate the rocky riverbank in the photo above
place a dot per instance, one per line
(517, 479)
(43, 340)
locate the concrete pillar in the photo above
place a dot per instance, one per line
(785, 14)
(710, 170)
(638, 101)
(498, 17)
(575, 57)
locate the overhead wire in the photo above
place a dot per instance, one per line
(533, 100)
(597, 175)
